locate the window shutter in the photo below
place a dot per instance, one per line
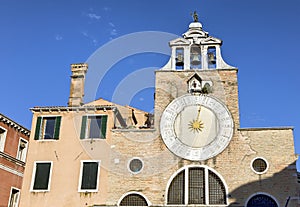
(42, 175)
(103, 126)
(83, 127)
(89, 176)
(38, 128)
(57, 127)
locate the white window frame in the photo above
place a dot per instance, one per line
(259, 173)
(87, 127)
(34, 173)
(3, 139)
(16, 204)
(80, 176)
(24, 153)
(42, 130)
(128, 165)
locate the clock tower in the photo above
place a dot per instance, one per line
(197, 114)
(197, 97)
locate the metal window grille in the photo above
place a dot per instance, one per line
(217, 193)
(196, 186)
(201, 184)
(261, 200)
(176, 190)
(133, 200)
(259, 165)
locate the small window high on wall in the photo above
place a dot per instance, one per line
(179, 58)
(2, 138)
(211, 57)
(93, 127)
(47, 128)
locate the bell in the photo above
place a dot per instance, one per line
(211, 58)
(195, 59)
(179, 59)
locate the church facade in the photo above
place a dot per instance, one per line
(191, 152)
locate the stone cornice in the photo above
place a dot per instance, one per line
(70, 108)
(266, 128)
(12, 159)
(14, 124)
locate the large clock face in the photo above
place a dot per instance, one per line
(196, 127)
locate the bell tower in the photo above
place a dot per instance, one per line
(196, 65)
(197, 50)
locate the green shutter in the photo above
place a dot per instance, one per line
(83, 127)
(38, 128)
(57, 127)
(103, 126)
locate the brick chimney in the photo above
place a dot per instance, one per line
(77, 84)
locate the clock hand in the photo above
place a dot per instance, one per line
(198, 116)
(196, 125)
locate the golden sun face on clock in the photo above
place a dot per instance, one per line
(196, 125)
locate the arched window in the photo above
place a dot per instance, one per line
(179, 53)
(211, 57)
(133, 199)
(196, 185)
(195, 58)
(261, 200)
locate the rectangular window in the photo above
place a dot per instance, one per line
(93, 127)
(14, 197)
(22, 150)
(41, 176)
(89, 176)
(47, 128)
(2, 138)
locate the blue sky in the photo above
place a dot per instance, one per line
(40, 39)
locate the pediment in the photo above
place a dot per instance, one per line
(179, 41)
(195, 34)
(211, 40)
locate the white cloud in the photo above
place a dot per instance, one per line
(111, 24)
(113, 32)
(93, 16)
(106, 8)
(85, 34)
(58, 37)
(90, 37)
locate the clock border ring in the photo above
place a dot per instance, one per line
(220, 142)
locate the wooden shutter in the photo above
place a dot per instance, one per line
(57, 127)
(38, 128)
(89, 176)
(103, 126)
(83, 127)
(42, 175)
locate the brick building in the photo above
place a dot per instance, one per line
(13, 148)
(193, 154)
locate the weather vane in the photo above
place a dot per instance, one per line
(195, 16)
